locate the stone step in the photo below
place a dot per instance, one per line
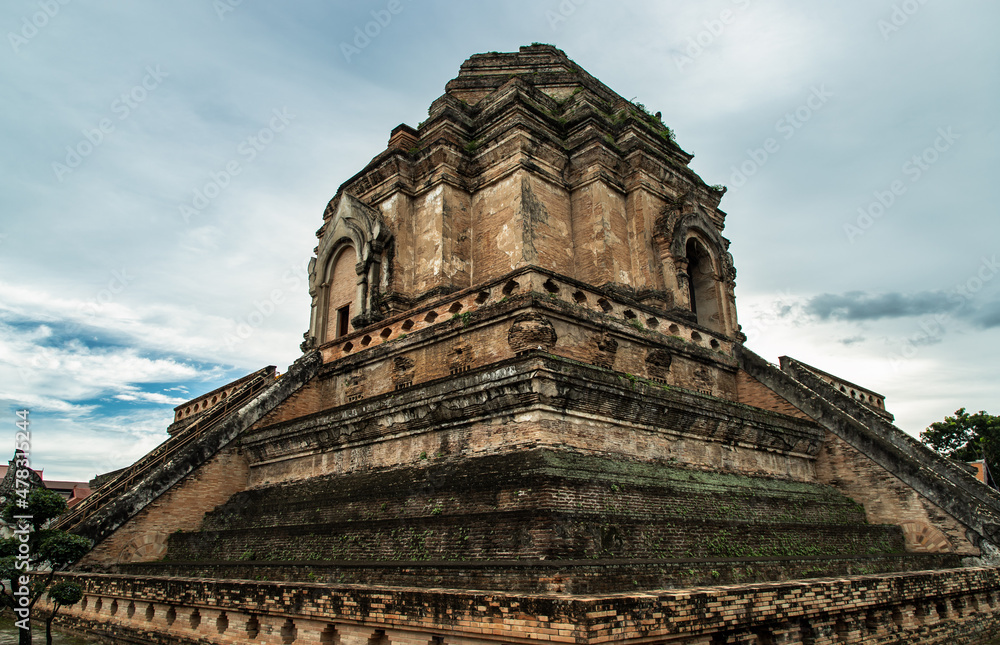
(532, 535)
(535, 576)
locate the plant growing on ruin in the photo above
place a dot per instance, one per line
(30, 559)
(466, 318)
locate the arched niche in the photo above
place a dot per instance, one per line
(697, 254)
(346, 276)
(704, 294)
(342, 291)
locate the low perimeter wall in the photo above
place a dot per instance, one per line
(950, 606)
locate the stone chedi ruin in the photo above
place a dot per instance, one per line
(524, 412)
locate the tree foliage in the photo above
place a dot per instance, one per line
(40, 551)
(61, 594)
(65, 593)
(967, 437)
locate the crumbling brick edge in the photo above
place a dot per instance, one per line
(916, 607)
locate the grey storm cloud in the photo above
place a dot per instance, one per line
(989, 317)
(860, 305)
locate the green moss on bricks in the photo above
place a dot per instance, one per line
(539, 504)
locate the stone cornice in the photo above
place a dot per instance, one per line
(633, 618)
(537, 382)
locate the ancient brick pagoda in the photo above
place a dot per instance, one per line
(524, 412)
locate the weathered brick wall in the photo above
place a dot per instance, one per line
(532, 535)
(956, 606)
(428, 214)
(397, 211)
(181, 508)
(324, 451)
(543, 481)
(645, 206)
(569, 176)
(753, 392)
(539, 506)
(600, 235)
(591, 576)
(318, 394)
(456, 236)
(498, 237)
(886, 499)
(544, 210)
(594, 411)
(343, 288)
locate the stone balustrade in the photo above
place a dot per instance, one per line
(518, 283)
(957, 605)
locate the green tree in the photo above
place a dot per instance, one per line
(967, 437)
(37, 550)
(61, 594)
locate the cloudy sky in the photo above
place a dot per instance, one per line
(165, 167)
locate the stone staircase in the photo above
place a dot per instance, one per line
(132, 489)
(942, 482)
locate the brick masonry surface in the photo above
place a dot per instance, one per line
(183, 507)
(949, 606)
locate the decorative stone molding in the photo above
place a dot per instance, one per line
(958, 605)
(923, 538)
(531, 331)
(349, 222)
(145, 548)
(677, 225)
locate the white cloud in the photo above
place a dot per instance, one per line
(68, 450)
(923, 381)
(191, 288)
(132, 393)
(74, 372)
(172, 328)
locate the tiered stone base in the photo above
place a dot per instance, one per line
(948, 606)
(562, 576)
(604, 524)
